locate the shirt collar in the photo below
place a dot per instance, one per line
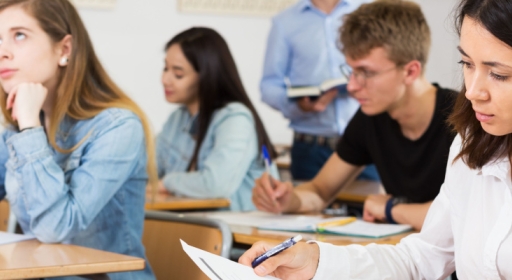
(499, 168)
(306, 4)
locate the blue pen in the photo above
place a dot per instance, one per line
(268, 163)
(266, 157)
(276, 250)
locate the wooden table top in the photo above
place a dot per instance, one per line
(359, 190)
(170, 202)
(33, 259)
(249, 235)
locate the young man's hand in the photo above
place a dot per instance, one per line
(375, 207)
(275, 197)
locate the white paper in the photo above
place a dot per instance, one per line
(6, 238)
(219, 268)
(263, 219)
(366, 229)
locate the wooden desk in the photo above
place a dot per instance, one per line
(283, 161)
(249, 235)
(33, 259)
(359, 190)
(169, 202)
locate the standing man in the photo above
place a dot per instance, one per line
(302, 48)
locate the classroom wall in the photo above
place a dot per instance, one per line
(129, 41)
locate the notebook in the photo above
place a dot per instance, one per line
(365, 229)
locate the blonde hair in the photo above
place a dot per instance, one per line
(84, 88)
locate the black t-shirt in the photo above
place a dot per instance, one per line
(411, 169)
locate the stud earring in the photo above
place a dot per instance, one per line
(63, 61)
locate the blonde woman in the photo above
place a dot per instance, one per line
(74, 160)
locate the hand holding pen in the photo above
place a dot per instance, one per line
(268, 194)
(296, 262)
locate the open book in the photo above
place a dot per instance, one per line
(315, 91)
(351, 227)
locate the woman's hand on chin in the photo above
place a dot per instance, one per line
(26, 101)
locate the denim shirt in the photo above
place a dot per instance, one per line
(302, 47)
(228, 162)
(93, 196)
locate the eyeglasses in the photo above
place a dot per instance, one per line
(361, 76)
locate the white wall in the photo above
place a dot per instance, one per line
(129, 41)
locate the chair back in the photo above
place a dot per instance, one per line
(161, 237)
(4, 215)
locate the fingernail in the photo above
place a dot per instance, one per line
(260, 270)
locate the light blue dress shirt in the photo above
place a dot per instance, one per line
(229, 159)
(93, 196)
(303, 47)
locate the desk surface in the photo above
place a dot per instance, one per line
(359, 190)
(169, 202)
(33, 259)
(250, 235)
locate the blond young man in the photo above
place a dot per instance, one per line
(400, 126)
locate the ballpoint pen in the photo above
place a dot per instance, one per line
(276, 250)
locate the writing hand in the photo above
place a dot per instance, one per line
(297, 262)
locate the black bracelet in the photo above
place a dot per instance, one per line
(389, 205)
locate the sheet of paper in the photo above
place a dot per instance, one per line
(366, 229)
(6, 238)
(262, 219)
(219, 268)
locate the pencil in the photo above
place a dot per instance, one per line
(340, 222)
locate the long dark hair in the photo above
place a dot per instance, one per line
(219, 81)
(478, 146)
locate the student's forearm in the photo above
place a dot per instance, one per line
(412, 214)
(305, 198)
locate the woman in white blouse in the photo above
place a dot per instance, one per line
(469, 225)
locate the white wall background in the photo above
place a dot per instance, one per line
(129, 41)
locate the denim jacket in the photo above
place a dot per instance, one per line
(228, 162)
(93, 196)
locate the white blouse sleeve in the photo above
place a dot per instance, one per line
(425, 255)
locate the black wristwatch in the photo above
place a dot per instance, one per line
(390, 204)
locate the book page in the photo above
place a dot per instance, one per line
(296, 91)
(332, 83)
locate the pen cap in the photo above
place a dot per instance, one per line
(266, 155)
(297, 238)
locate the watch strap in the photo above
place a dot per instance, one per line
(389, 205)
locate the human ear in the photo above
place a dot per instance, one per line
(64, 49)
(413, 70)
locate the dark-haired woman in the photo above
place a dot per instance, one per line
(469, 224)
(211, 145)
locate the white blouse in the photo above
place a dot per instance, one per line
(468, 228)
